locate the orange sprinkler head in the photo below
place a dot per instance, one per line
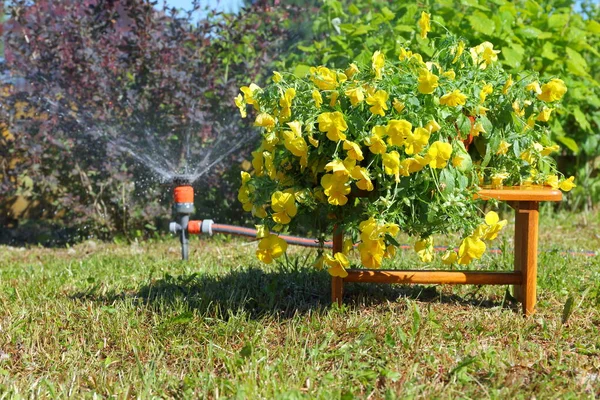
(183, 194)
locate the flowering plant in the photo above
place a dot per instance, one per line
(401, 144)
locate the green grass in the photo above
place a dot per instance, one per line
(134, 321)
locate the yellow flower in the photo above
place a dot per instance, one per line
(487, 89)
(453, 99)
(261, 231)
(270, 247)
(335, 188)
(249, 93)
(398, 131)
(413, 164)
(450, 74)
(460, 48)
(391, 164)
(265, 120)
(371, 253)
(377, 63)
(471, 248)
(535, 87)
(424, 249)
(334, 124)
(296, 145)
(337, 264)
(567, 184)
(286, 103)
(276, 77)
(398, 105)
(356, 95)
(404, 54)
(334, 98)
(498, 178)
(338, 166)
(439, 154)
(354, 151)
(316, 95)
(516, 106)
(424, 24)
(377, 102)
(258, 162)
(507, 85)
(427, 82)
(494, 225)
(476, 129)
(449, 257)
(241, 104)
(351, 70)
(552, 181)
(324, 78)
(550, 149)
(284, 205)
(544, 115)
(375, 141)
(503, 147)
(432, 126)
(553, 90)
(363, 178)
(416, 141)
(484, 54)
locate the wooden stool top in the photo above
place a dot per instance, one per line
(520, 193)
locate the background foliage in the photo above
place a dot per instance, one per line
(118, 63)
(547, 36)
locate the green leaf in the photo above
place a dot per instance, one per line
(352, 9)
(511, 57)
(581, 119)
(361, 30)
(388, 14)
(556, 21)
(481, 23)
(569, 143)
(576, 63)
(593, 26)
(306, 49)
(547, 51)
(301, 70)
(404, 28)
(567, 310)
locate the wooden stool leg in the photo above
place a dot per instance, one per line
(527, 220)
(520, 223)
(337, 283)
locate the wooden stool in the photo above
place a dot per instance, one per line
(525, 201)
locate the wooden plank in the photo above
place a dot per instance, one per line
(433, 277)
(530, 215)
(520, 193)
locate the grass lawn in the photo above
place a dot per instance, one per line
(134, 321)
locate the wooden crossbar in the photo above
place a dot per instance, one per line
(525, 201)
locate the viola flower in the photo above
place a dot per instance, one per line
(351, 70)
(361, 175)
(453, 99)
(324, 78)
(334, 98)
(471, 248)
(449, 257)
(249, 93)
(334, 124)
(552, 181)
(356, 95)
(535, 87)
(316, 95)
(553, 90)
(398, 131)
(544, 115)
(550, 149)
(476, 129)
(284, 205)
(507, 85)
(241, 104)
(424, 249)
(265, 120)
(371, 253)
(427, 82)
(377, 63)
(485, 90)
(439, 154)
(270, 248)
(494, 225)
(377, 102)
(416, 141)
(503, 147)
(354, 151)
(424, 24)
(340, 167)
(391, 164)
(398, 105)
(277, 77)
(567, 184)
(337, 264)
(286, 104)
(460, 48)
(498, 178)
(335, 188)
(404, 54)
(432, 126)
(484, 54)
(375, 141)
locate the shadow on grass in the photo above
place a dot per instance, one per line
(283, 292)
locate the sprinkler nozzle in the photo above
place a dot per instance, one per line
(183, 195)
